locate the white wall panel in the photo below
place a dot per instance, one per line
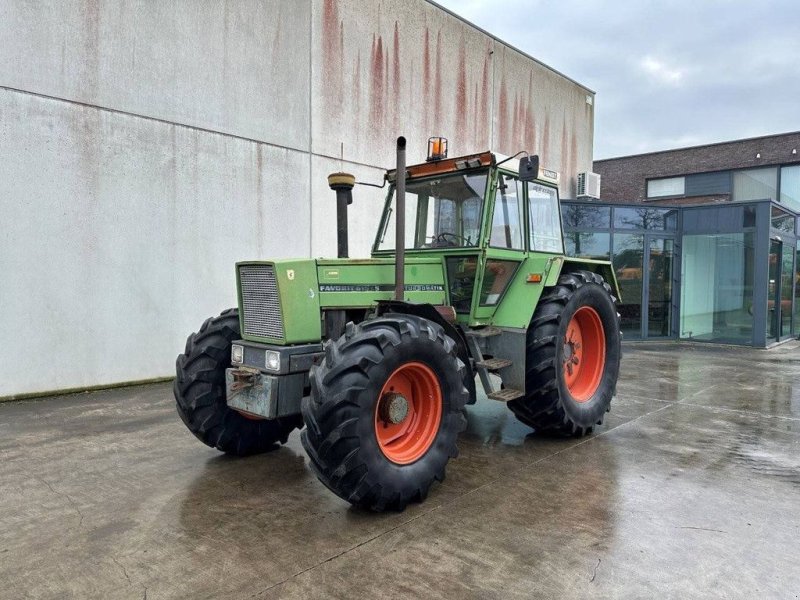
(237, 67)
(120, 236)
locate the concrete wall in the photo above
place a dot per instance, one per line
(146, 146)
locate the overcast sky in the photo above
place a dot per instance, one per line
(667, 74)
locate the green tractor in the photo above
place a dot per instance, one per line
(377, 358)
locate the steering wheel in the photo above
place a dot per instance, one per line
(459, 239)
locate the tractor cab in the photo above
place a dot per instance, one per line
(491, 219)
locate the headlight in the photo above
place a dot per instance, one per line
(237, 354)
(273, 360)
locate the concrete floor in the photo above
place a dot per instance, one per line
(690, 489)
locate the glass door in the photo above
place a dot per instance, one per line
(660, 262)
(796, 324)
(644, 266)
(629, 266)
(774, 291)
(787, 275)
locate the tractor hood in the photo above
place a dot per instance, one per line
(362, 282)
(281, 302)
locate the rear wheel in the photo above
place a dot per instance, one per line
(385, 409)
(200, 393)
(573, 357)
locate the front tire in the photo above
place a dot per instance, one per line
(385, 409)
(200, 395)
(573, 357)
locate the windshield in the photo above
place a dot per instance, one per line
(441, 212)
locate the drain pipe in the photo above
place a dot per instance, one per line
(342, 184)
(400, 221)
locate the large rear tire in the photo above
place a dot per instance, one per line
(385, 409)
(200, 394)
(573, 357)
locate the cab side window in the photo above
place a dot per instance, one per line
(507, 222)
(545, 225)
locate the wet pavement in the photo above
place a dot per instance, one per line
(690, 489)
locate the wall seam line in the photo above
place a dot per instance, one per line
(154, 119)
(310, 128)
(186, 126)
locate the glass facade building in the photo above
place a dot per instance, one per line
(724, 273)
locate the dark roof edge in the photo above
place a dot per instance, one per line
(750, 139)
(514, 48)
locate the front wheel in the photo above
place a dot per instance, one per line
(200, 396)
(385, 409)
(573, 357)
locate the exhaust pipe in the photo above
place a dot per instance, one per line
(400, 221)
(342, 184)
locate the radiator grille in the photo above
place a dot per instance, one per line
(260, 301)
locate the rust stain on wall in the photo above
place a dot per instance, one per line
(544, 151)
(454, 89)
(517, 125)
(461, 106)
(484, 111)
(333, 50)
(502, 117)
(330, 29)
(573, 156)
(388, 103)
(377, 66)
(477, 124)
(396, 77)
(437, 101)
(530, 119)
(426, 78)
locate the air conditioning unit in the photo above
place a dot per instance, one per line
(589, 185)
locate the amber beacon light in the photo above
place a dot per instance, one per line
(437, 148)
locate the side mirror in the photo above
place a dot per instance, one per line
(529, 168)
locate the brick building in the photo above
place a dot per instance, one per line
(758, 168)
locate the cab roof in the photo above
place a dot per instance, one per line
(467, 162)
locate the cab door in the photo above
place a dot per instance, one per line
(505, 250)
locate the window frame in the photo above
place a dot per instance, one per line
(389, 209)
(648, 180)
(529, 224)
(521, 205)
(777, 172)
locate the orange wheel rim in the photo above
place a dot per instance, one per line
(408, 413)
(584, 353)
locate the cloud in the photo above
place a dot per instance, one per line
(660, 72)
(666, 73)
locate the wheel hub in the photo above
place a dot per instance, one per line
(393, 408)
(571, 352)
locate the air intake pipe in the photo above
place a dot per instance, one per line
(400, 221)
(342, 184)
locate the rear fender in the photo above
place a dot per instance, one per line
(563, 265)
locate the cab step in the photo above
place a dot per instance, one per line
(495, 364)
(505, 395)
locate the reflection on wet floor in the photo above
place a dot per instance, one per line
(690, 488)
(491, 423)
